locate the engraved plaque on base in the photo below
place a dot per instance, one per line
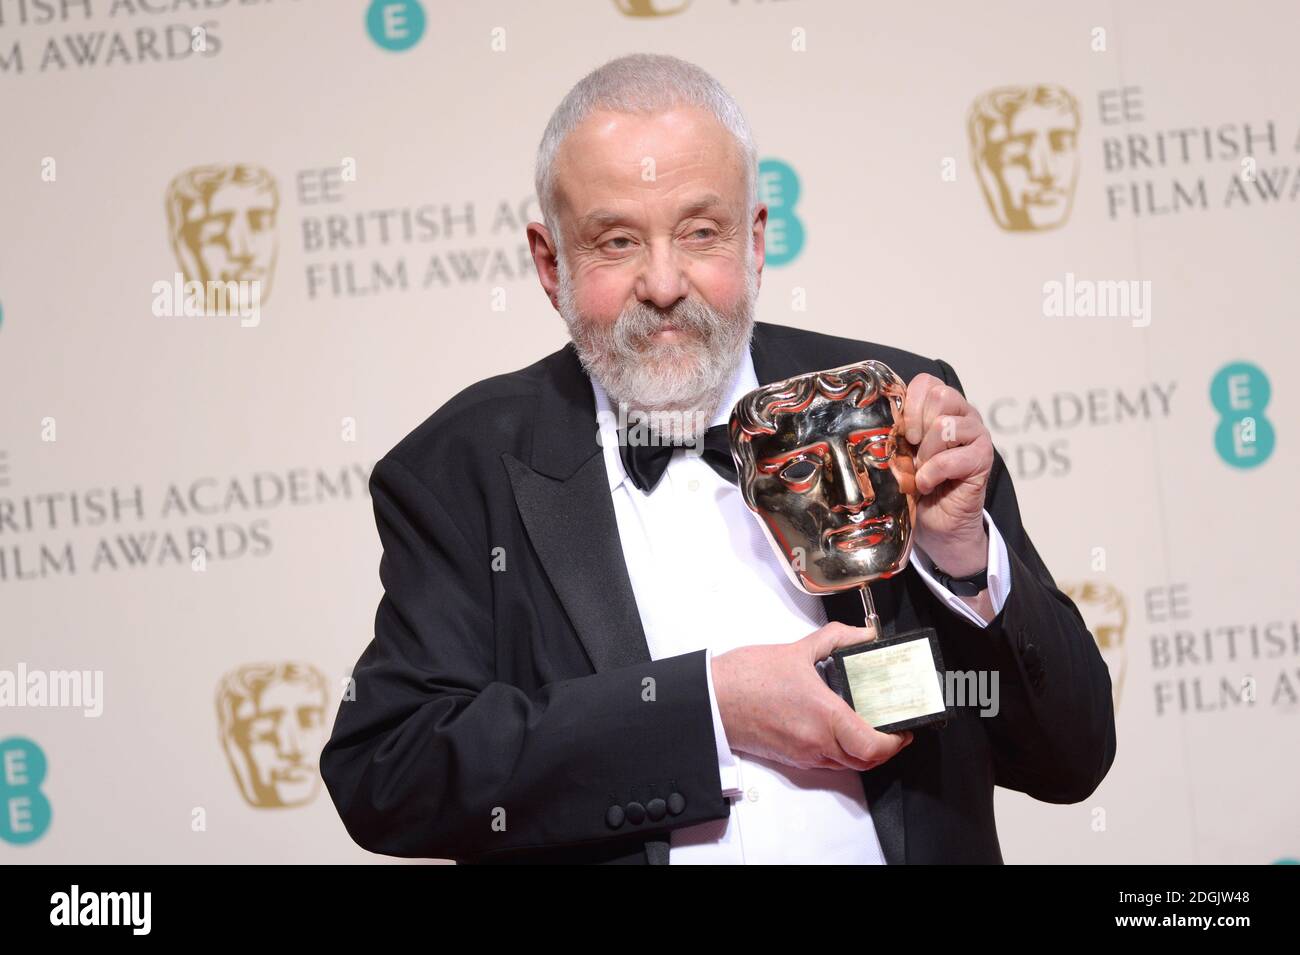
(894, 683)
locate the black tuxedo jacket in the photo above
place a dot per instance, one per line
(499, 711)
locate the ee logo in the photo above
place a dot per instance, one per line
(778, 186)
(24, 810)
(1244, 438)
(395, 25)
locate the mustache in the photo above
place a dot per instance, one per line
(642, 373)
(629, 334)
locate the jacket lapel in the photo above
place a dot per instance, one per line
(564, 501)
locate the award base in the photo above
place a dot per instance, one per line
(894, 683)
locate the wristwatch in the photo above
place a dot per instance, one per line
(968, 586)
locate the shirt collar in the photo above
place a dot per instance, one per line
(743, 381)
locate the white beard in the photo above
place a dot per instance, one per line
(674, 387)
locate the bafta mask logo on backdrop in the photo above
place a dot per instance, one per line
(221, 220)
(1106, 613)
(272, 726)
(821, 463)
(1244, 436)
(24, 809)
(651, 8)
(1025, 147)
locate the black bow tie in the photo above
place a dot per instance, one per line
(645, 463)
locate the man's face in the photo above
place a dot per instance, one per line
(1034, 160)
(233, 239)
(660, 263)
(825, 487)
(277, 743)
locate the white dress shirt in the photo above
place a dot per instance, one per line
(705, 577)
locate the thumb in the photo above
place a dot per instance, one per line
(821, 643)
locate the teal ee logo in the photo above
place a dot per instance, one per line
(395, 25)
(24, 810)
(778, 186)
(1244, 438)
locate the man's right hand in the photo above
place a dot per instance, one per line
(774, 705)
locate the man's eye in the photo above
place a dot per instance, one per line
(798, 472)
(617, 238)
(708, 233)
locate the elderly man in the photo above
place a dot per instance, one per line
(586, 652)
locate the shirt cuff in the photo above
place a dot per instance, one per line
(728, 767)
(999, 571)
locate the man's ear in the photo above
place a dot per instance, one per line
(758, 235)
(541, 246)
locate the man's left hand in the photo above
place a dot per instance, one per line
(953, 455)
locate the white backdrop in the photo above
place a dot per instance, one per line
(129, 437)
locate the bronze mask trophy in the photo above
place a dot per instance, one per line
(823, 465)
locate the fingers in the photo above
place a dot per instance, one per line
(950, 439)
(827, 639)
(833, 755)
(823, 731)
(904, 468)
(956, 464)
(948, 431)
(941, 400)
(838, 758)
(914, 406)
(927, 397)
(863, 747)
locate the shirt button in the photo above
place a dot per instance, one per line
(751, 794)
(693, 484)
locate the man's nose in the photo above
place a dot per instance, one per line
(662, 281)
(852, 491)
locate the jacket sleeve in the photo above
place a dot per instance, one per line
(435, 757)
(1054, 734)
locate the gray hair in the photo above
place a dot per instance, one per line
(641, 83)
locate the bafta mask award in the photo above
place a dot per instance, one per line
(824, 467)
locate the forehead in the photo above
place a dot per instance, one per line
(606, 161)
(824, 417)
